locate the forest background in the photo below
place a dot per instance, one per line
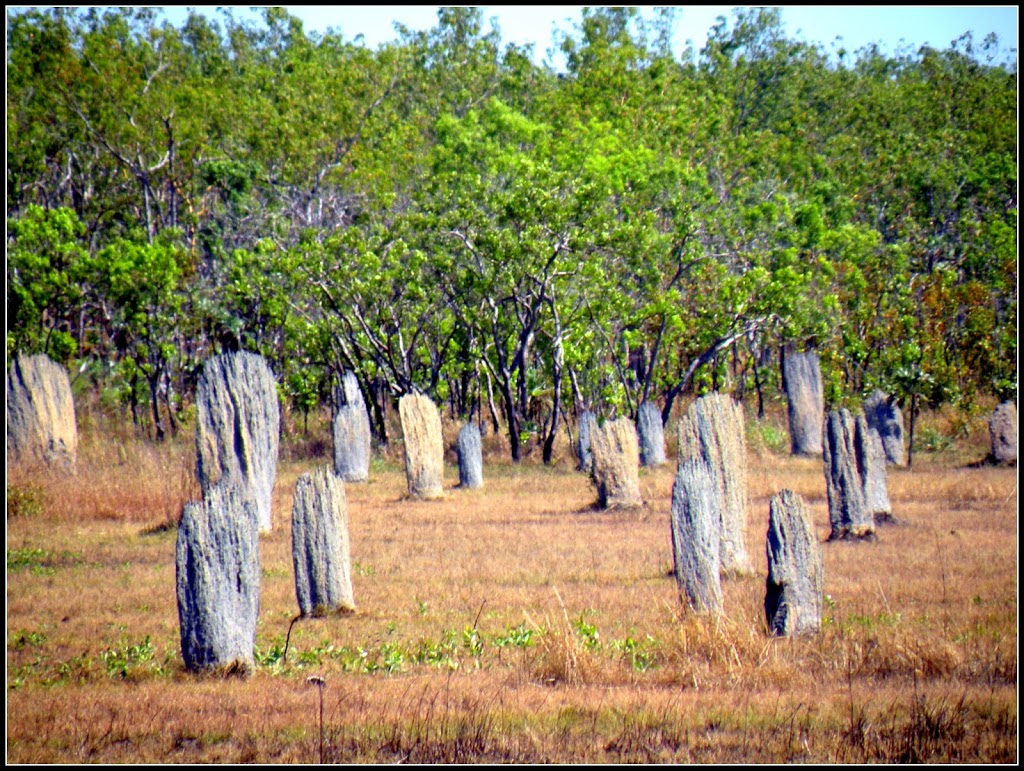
(441, 214)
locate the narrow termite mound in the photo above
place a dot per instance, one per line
(218, 580)
(795, 587)
(616, 464)
(320, 545)
(696, 518)
(424, 446)
(805, 399)
(351, 430)
(41, 426)
(238, 423)
(470, 457)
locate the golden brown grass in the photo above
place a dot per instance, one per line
(514, 623)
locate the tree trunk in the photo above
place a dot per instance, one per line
(154, 399)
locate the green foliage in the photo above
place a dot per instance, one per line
(40, 561)
(25, 638)
(119, 662)
(27, 557)
(24, 500)
(46, 269)
(515, 637)
(441, 215)
(588, 632)
(641, 654)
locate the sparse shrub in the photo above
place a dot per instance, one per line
(25, 500)
(515, 637)
(25, 638)
(930, 439)
(121, 661)
(641, 654)
(766, 437)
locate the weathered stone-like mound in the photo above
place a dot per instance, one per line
(616, 464)
(688, 445)
(795, 587)
(320, 545)
(885, 419)
(1002, 428)
(876, 479)
(846, 458)
(713, 429)
(584, 453)
(238, 427)
(424, 446)
(352, 433)
(696, 518)
(470, 455)
(218, 580)
(41, 427)
(801, 376)
(651, 435)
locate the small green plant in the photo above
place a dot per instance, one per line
(591, 637)
(24, 500)
(931, 440)
(39, 561)
(640, 653)
(515, 637)
(392, 659)
(828, 619)
(767, 436)
(271, 657)
(442, 653)
(872, 622)
(119, 661)
(25, 638)
(27, 557)
(472, 641)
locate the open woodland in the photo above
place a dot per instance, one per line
(517, 622)
(442, 215)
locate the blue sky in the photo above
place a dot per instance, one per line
(893, 28)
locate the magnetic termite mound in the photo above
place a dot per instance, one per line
(41, 426)
(424, 446)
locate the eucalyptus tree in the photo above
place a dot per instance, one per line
(506, 210)
(142, 288)
(43, 140)
(47, 267)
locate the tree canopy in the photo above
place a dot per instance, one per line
(441, 215)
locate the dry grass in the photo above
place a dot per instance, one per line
(514, 623)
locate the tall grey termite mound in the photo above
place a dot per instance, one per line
(846, 457)
(320, 545)
(351, 433)
(801, 377)
(713, 429)
(696, 517)
(41, 427)
(470, 455)
(218, 580)
(794, 589)
(876, 479)
(616, 464)
(1002, 429)
(424, 446)
(651, 435)
(584, 453)
(237, 427)
(886, 420)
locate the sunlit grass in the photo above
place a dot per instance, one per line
(514, 623)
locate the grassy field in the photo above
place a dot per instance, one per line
(515, 623)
